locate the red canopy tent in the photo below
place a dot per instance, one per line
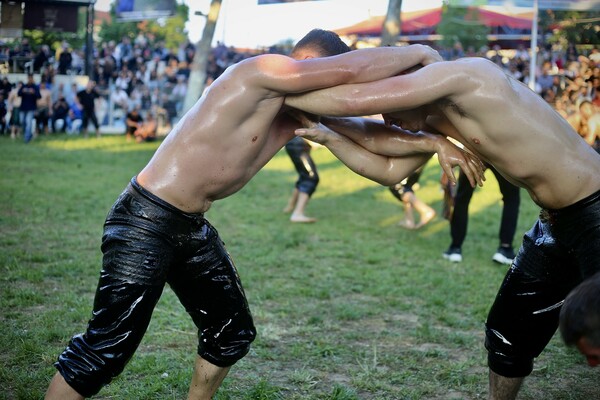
(418, 20)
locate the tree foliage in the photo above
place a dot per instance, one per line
(462, 24)
(171, 30)
(564, 26)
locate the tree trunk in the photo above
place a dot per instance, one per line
(392, 24)
(203, 49)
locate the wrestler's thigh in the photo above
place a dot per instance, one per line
(525, 313)
(587, 252)
(208, 286)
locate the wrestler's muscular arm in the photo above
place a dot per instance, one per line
(378, 138)
(274, 76)
(426, 85)
(404, 152)
(384, 170)
(285, 75)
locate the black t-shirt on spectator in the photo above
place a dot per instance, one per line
(86, 99)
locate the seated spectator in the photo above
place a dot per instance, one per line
(133, 122)
(170, 108)
(44, 108)
(146, 132)
(60, 115)
(75, 119)
(120, 98)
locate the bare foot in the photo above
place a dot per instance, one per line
(288, 209)
(302, 219)
(425, 219)
(406, 224)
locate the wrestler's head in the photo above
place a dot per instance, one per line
(411, 120)
(319, 43)
(580, 319)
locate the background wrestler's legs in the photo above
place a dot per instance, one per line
(298, 214)
(292, 201)
(308, 179)
(206, 379)
(404, 192)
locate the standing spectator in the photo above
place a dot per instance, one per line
(14, 109)
(30, 94)
(42, 58)
(109, 66)
(58, 91)
(71, 97)
(101, 102)
(5, 87)
(178, 93)
(44, 108)
(3, 112)
(508, 224)
(87, 99)
(64, 60)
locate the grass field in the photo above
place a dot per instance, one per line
(352, 307)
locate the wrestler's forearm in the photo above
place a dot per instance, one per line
(381, 169)
(384, 170)
(378, 138)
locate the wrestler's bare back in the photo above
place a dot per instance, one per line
(219, 145)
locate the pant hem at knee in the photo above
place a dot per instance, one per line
(510, 368)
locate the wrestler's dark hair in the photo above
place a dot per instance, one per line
(580, 314)
(326, 43)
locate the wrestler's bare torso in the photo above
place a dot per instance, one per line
(217, 147)
(516, 131)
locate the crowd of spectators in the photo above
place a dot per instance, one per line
(139, 74)
(142, 74)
